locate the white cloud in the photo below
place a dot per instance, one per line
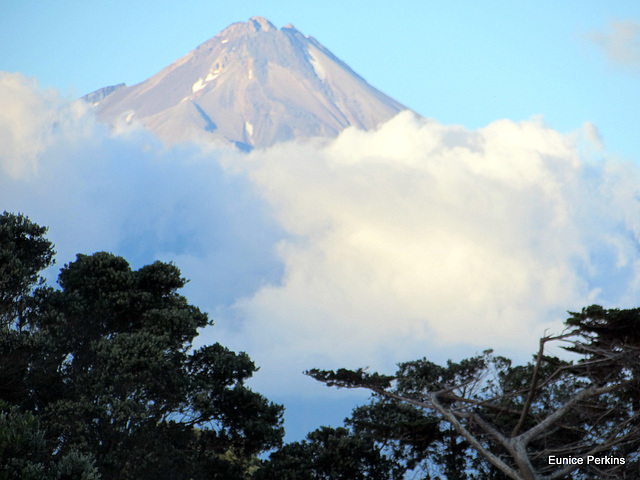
(125, 192)
(30, 121)
(420, 237)
(376, 247)
(620, 43)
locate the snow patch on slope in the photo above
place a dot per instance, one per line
(317, 66)
(199, 85)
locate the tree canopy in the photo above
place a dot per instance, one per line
(102, 370)
(331, 454)
(484, 417)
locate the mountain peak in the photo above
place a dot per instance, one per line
(261, 23)
(253, 85)
(253, 26)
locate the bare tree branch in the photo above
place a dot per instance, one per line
(497, 462)
(532, 388)
(533, 432)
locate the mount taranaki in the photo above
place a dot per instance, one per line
(252, 85)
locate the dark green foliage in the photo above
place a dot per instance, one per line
(405, 433)
(610, 346)
(24, 253)
(106, 365)
(330, 454)
(351, 378)
(22, 446)
(23, 452)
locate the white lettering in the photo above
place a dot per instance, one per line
(553, 460)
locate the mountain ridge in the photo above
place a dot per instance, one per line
(253, 85)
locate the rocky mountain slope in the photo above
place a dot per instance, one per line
(253, 85)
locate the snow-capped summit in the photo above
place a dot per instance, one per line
(254, 85)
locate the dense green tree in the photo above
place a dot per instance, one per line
(330, 454)
(412, 439)
(106, 364)
(496, 420)
(24, 253)
(24, 456)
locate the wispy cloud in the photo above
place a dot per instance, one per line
(376, 247)
(620, 43)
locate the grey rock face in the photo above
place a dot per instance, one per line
(253, 85)
(96, 97)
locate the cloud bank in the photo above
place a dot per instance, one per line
(420, 237)
(376, 247)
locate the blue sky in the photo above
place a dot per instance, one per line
(459, 62)
(544, 220)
